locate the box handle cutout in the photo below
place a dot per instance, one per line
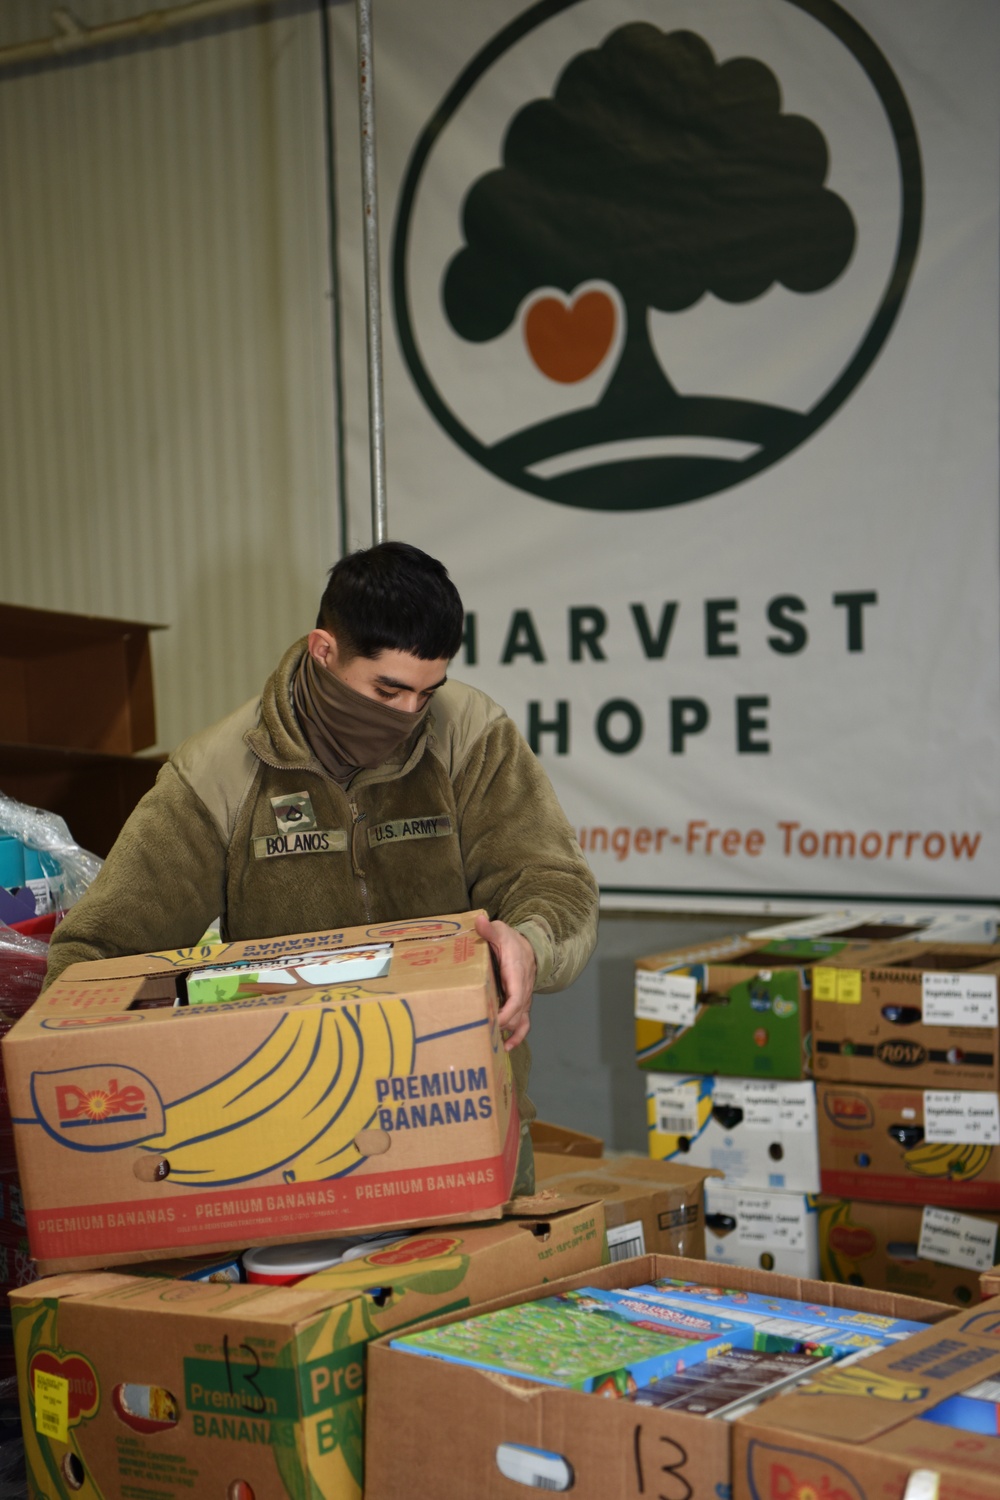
(538, 1468)
(151, 1168)
(902, 1015)
(372, 1142)
(145, 1408)
(720, 1223)
(238, 1489)
(727, 1115)
(906, 1136)
(72, 1471)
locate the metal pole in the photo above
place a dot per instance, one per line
(373, 300)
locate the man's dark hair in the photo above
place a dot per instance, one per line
(392, 597)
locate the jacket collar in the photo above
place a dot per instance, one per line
(279, 741)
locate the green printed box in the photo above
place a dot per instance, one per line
(734, 1007)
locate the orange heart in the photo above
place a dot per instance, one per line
(568, 340)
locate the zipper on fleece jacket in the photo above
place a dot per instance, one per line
(358, 818)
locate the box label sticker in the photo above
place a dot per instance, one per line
(626, 1240)
(776, 1222)
(671, 998)
(957, 1239)
(964, 1116)
(771, 1106)
(960, 999)
(676, 1107)
(842, 986)
(52, 1405)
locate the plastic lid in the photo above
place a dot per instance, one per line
(295, 1260)
(301, 1259)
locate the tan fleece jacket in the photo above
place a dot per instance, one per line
(244, 824)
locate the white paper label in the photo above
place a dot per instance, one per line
(771, 1223)
(671, 998)
(957, 1239)
(626, 1240)
(775, 1107)
(676, 1107)
(965, 1117)
(960, 999)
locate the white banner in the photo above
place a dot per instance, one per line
(691, 349)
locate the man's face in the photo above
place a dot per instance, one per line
(393, 677)
(396, 678)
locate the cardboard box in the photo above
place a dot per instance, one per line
(607, 1447)
(759, 1133)
(898, 1145)
(559, 1140)
(267, 1382)
(650, 1208)
(909, 1013)
(857, 1432)
(928, 1252)
(764, 1231)
(143, 1129)
(730, 1006)
(917, 924)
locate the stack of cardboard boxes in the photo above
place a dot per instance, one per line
(723, 1034)
(171, 1110)
(907, 1063)
(769, 1056)
(159, 1132)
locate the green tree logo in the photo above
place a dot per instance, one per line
(654, 176)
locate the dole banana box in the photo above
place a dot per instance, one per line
(863, 1431)
(731, 1006)
(159, 1386)
(556, 1439)
(147, 1127)
(910, 1145)
(909, 1013)
(941, 1253)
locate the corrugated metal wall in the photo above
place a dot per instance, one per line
(167, 414)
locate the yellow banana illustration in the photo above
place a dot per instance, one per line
(240, 1096)
(971, 1161)
(947, 1159)
(389, 1050)
(319, 1065)
(930, 1159)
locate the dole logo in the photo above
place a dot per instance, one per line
(847, 1110)
(779, 1473)
(97, 1108)
(422, 927)
(852, 1240)
(787, 1485)
(83, 1391)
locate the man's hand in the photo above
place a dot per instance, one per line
(516, 959)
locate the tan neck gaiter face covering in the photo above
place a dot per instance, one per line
(346, 731)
